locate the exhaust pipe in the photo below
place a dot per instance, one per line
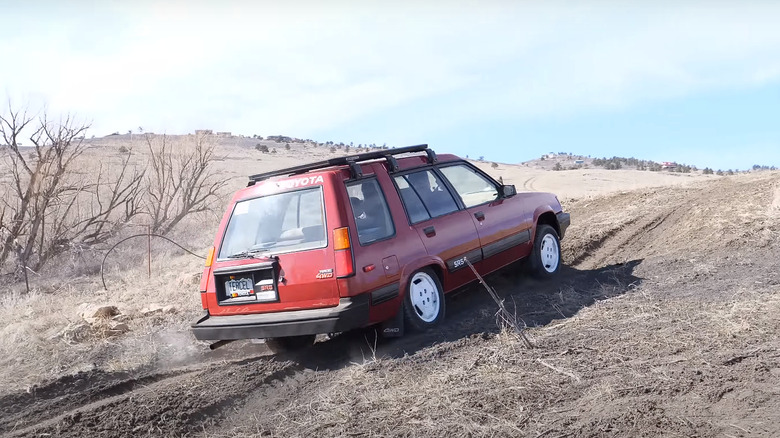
(221, 343)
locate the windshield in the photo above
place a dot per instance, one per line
(286, 222)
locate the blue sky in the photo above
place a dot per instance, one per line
(688, 81)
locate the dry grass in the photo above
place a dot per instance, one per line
(44, 337)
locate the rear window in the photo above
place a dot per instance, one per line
(372, 216)
(285, 222)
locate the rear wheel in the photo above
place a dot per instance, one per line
(546, 255)
(289, 343)
(424, 301)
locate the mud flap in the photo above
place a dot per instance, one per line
(393, 327)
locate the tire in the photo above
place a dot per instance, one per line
(424, 301)
(289, 343)
(545, 258)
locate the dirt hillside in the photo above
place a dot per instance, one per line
(663, 323)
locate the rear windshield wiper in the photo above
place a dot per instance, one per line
(248, 254)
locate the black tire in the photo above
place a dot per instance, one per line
(426, 309)
(289, 343)
(545, 260)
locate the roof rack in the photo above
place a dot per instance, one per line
(350, 160)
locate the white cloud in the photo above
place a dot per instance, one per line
(262, 68)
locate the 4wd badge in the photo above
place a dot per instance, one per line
(324, 273)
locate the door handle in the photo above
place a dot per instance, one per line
(480, 216)
(429, 231)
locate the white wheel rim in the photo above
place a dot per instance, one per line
(424, 297)
(549, 253)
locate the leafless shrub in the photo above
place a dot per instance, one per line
(180, 180)
(51, 200)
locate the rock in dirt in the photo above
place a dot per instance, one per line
(73, 333)
(93, 312)
(158, 309)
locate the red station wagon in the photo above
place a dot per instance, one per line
(362, 240)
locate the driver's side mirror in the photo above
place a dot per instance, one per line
(507, 191)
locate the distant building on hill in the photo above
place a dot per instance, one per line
(668, 165)
(224, 134)
(203, 132)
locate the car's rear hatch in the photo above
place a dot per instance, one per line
(274, 253)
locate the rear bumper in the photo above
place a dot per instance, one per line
(349, 314)
(564, 220)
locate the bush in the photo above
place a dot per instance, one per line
(262, 148)
(558, 166)
(494, 165)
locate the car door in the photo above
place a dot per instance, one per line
(376, 250)
(446, 231)
(503, 225)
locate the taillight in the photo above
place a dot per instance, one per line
(345, 266)
(210, 257)
(204, 277)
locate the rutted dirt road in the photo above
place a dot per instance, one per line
(664, 322)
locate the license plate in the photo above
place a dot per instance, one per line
(240, 287)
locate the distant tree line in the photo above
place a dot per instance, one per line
(615, 163)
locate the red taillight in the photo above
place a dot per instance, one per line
(345, 266)
(210, 257)
(204, 278)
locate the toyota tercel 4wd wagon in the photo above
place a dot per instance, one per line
(362, 240)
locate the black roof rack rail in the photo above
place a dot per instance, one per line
(350, 160)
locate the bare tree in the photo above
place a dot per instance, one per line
(51, 201)
(180, 180)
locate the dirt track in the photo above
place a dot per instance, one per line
(663, 323)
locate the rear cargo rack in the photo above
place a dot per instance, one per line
(350, 160)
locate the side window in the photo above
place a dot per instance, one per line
(414, 206)
(473, 188)
(372, 216)
(431, 191)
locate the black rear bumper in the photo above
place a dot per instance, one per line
(351, 313)
(564, 220)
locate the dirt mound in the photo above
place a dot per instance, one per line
(726, 214)
(664, 323)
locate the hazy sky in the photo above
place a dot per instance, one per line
(694, 82)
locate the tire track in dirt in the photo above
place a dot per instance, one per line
(592, 246)
(72, 392)
(528, 184)
(163, 404)
(633, 240)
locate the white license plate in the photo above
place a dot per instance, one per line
(240, 287)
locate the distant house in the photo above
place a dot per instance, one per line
(579, 161)
(224, 134)
(203, 132)
(668, 165)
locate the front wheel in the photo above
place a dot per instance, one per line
(546, 255)
(424, 301)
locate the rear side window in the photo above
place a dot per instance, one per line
(369, 206)
(429, 189)
(285, 222)
(473, 188)
(414, 206)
